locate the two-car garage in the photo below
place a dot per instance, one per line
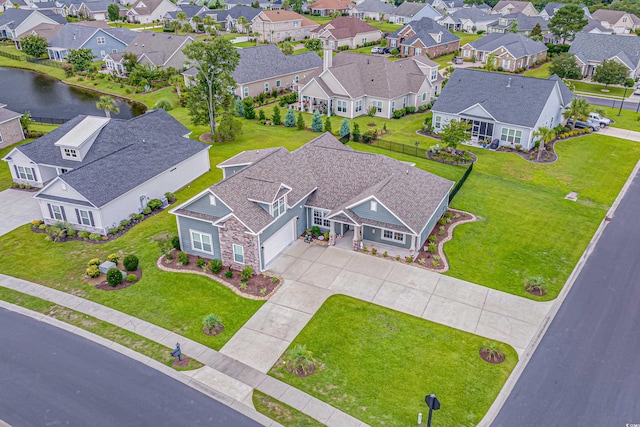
(275, 244)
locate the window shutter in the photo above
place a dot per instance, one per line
(17, 173)
(50, 211)
(91, 219)
(35, 177)
(78, 216)
(64, 216)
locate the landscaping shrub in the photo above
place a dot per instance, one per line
(432, 248)
(276, 118)
(262, 116)
(95, 236)
(113, 258)
(212, 322)
(287, 99)
(315, 230)
(83, 234)
(247, 272)
(228, 274)
(183, 258)
(93, 271)
(154, 204)
(201, 263)
(163, 104)
(130, 262)
(432, 239)
(146, 210)
(125, 222)
(170, 196)
(410, 110)
(399, 113)
(131, 278)
(290, 119)
(299, 360)
(113, 231)
(316, 123)
(94, 261)
(215, 265)
(114, 277)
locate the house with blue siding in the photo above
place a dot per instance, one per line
(101, 41)
(270, 197)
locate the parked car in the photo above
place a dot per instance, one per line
(375, 50)
(384, 50)
(457, 60)
(589, 123)
(604, 121)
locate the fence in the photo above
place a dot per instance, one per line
(12, 56)
(47, 62)
(49, 120)
(460, 182)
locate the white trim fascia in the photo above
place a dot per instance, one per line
(468, 108)
(57, 178)
(279, 77)
(231, 214)
(446, 196)
(178, 50)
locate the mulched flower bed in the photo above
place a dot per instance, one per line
(212, 332)
(177, 363)
(299, 372)
(254, 285)
(28, 189)
(449, 157)
(548, 156)
(485, 354)
(100, 282)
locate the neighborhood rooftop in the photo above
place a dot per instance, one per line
(517, 44)
(424, 28)
(598, 47)
(253, 63)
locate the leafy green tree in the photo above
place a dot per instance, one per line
(261, 116)
(491, 63)
(610, 72)
(316, 123)
(327, 124)
(546, 135)
(26, 121)
(80, 59)
(276, 118)
(34, 45)
(290, 119)
(579, 109)
(129, 61)
(314, 45)
(215, 62)
(454, 133)
(513, 28)
(108, 105)
(113, 11)
(181, 16)
(229, 129)
(565, 66)
(536, 32)
(567, 21)
(286, 48)
(355, 134)
(345, 129)
(296, 5)
(248, 109)
(300, 124)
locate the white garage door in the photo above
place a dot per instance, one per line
(99, 17)
(280, 240)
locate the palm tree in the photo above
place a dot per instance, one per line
(286, 48)
(242, 22)
(208, 22)
(578, 110)
(107, 104)
(546, 135)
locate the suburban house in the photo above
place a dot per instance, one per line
(524, 24)
(409, 11)
(329, 7)
(592, 27)
(467, 19)
(423, 37)
(351, 84)
(10, 127)
(16, 22)
(619, 21)
(263, 4)
(591, 49)
(229, 18)
(507, 7)
(96, 9)
(275, 26)
(94, 171)
(447, 6)
(5, 5)
(510, 51)
(376, 10)
(269, 197)
(148, 11)
(506, 107)
(153, 50)
(101, 41)
(265, 68)
(190, 10)
(346, 31)
(551, 8)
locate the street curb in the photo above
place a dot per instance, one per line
(125, 351)
(506, 390)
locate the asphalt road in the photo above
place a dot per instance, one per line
(586, 370)
(52, 377)
(633, 105)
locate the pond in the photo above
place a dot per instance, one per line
(49, 98)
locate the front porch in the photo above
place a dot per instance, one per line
(57, 53)
(346, 242)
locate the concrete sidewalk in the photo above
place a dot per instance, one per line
(620, 133)
(232, 380)
(314, 272)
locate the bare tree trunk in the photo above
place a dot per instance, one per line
(540, 149)
(107, 113)
(212, 115)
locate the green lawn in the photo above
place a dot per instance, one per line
(626, 120)
(281, 412)
(467, 37)
(597, 89)
(541, 72)
(378, 364)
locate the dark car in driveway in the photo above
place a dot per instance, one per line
(583, 124)
(457, 60)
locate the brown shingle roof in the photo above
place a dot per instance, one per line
(287, 15)
(332, 4)
(613, 16)
(345, 27)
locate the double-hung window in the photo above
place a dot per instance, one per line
(201, 242)
(342, 106)
(278, 207)
(266, 87)
(319, 218)
(101, 40)
(83, 216)
(511, 136)
(394, 236)
(377, 104)
(238, 254)
(437, 121)
(56, 212)
(358, 107)
(25, 173)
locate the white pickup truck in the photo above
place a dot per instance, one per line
(598, 118)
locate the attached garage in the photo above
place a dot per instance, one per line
(99, 17)
(280, 240)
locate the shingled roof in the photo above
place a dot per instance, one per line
(375, 6)
(157, 47)
(598, 47)
(613, 16)
(345, 27)
(267, 61)
(516, 44)
(423, 29)
(333, 176)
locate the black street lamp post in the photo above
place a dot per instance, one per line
(623, 97)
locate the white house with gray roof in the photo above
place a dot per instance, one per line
(591, 49)
(510, 51)
(16, 22)
(375, 10)
(468, 19)
(506, 107)
(152, 50)
(148, 11)
(268, 199)
(410, 11)
(94, 172)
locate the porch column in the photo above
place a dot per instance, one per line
(332, 232)
(412, 249)
(356, 238)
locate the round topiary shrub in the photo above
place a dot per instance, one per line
(130, 262)
(93, 271)
(131, 278)
(94, 261)
(114, 277)
(113, 258)
(95, 236)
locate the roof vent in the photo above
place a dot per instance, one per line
(144, 141)
(509, 82)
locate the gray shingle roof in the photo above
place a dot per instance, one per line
(595, 25)
(235, 12)
(566, 93)
(512, 99)
(101, 5)
(125, 154)
(267, 61)
(247, 157)
(517, 44)
(526, 22)
(598, 47)
(472, 13)
(518, 6)
(335, 175)
(409, 9)
(344, 27)
(72, 36)
(423, 29)
(12, 18)
(52, 15)
(6, 114)
(552, 7)
(375, 6)
(613, 16)
(158, 47)
(190, 10)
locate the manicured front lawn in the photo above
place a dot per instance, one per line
(378, 364)
(541, 72)
(281, 412)
(600, 90)
(626, 120)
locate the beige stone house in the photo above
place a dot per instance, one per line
(619, 21)
(10, 127)
(346, 31)
(350, 84)
(275, 26)
(510, 51)
(423, 37)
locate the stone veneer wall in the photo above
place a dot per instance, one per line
(232, 233)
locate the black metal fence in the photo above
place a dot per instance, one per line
(460, 182)
(47, 62)
(49, 120)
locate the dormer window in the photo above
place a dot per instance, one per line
(70, 153)
(434, 74)
(278, 207)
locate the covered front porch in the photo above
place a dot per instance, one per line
(310, 104)
(346, 242)
(57, 53)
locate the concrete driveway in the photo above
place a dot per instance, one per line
(312, 273)
(17, 208)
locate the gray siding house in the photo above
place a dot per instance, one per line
(268, 198)
(101, 41)
(509, 108)
(94, 171)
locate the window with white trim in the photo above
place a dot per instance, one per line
(434, 74)
(297, 79)
(393, 236)
(25, 173)
(417, 51)
(404, 101)
(377, 104)
(364, 40)
(358, 107)
(266, 87)
(278, 83)
(103, 54)
(70, 153)
(246, 92)
(238, 254)
(84, 217)
(56, 210)
(512, 136)
(437, 121)
(392, 43)
(393, 106)
(406, 50)
(342, 106)
(101, 40)
(466, 53)
(373, 205)
(278, 207)
(319, 218)
(201, 242)
(506, 63)
(424, 96)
